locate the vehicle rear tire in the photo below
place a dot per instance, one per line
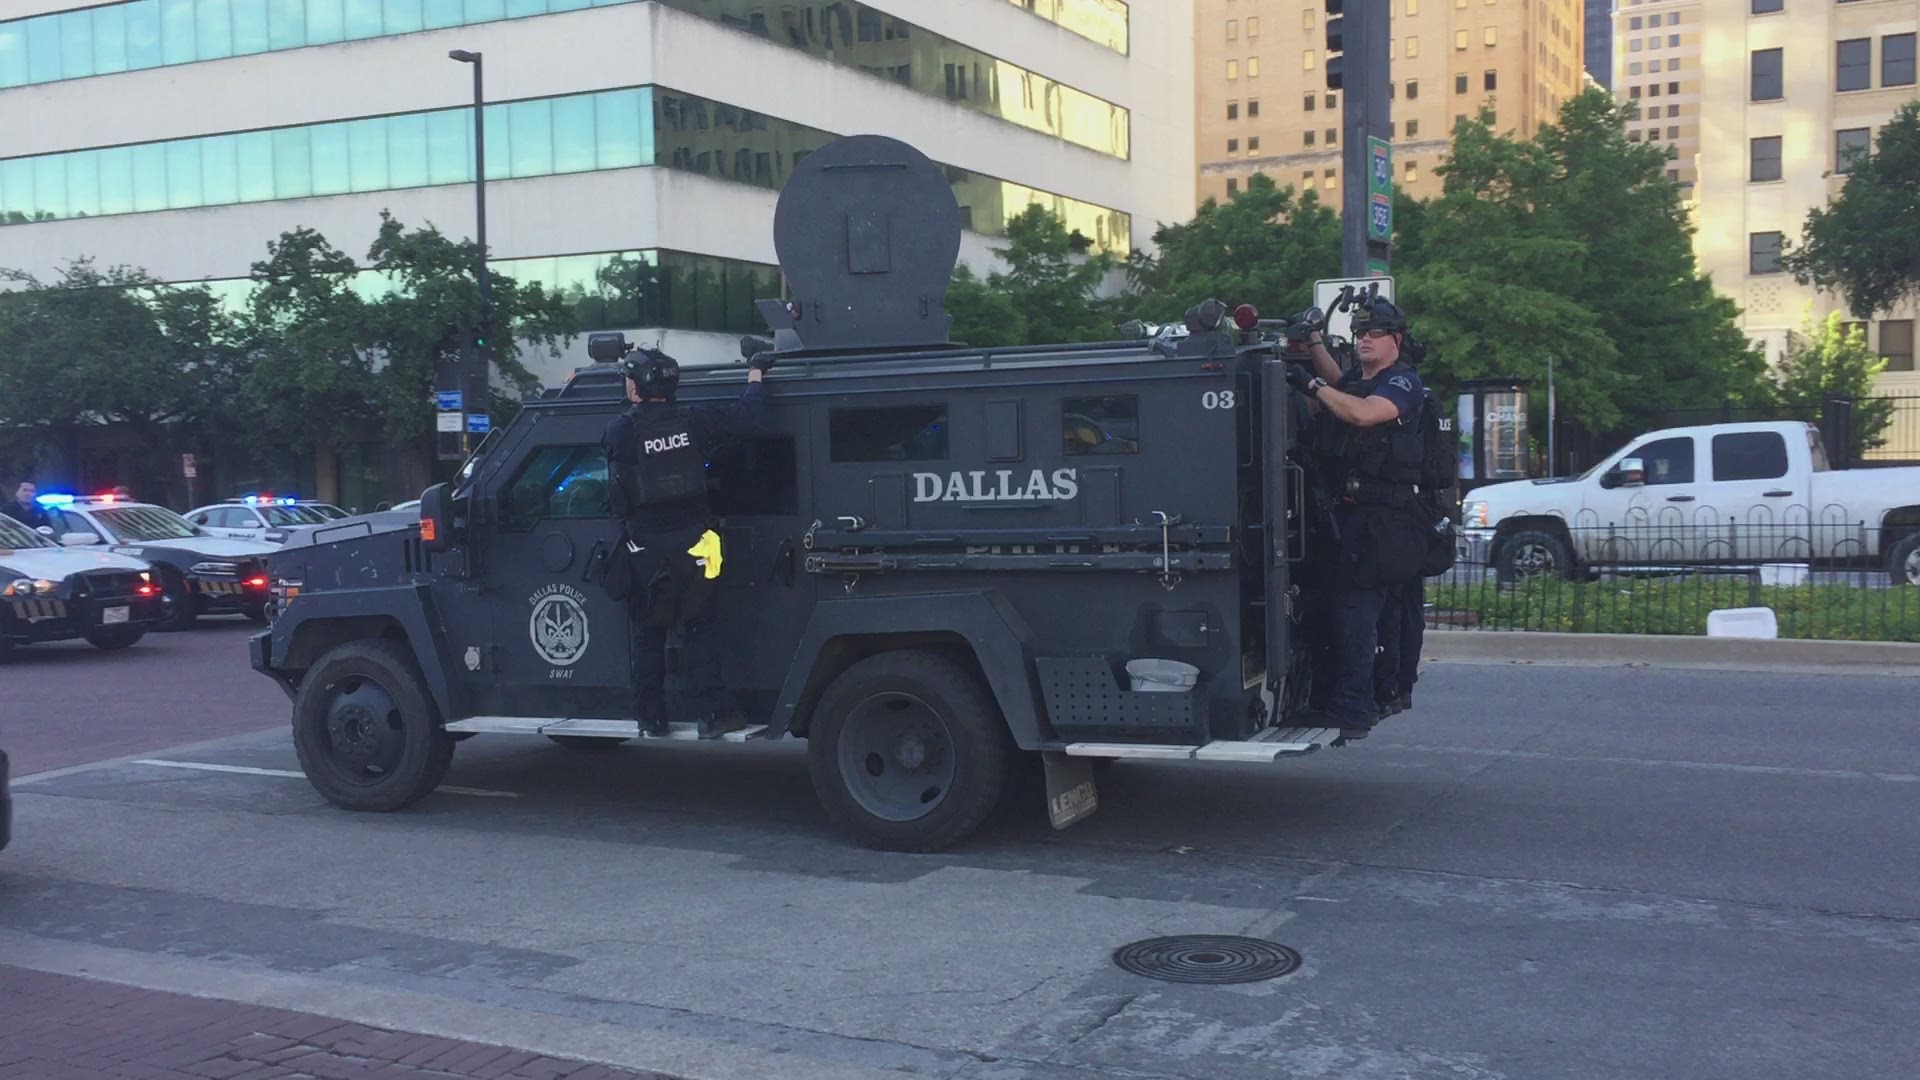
(365, 730)
(590, 743)
(1903, 562)
(908, 752)
(116, 638)
(255, 612)
(1535, 553)
(173, 585)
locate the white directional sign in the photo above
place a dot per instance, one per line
(446, 421)
(1327, 291)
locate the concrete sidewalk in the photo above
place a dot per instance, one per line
(1673, 651)
(57, 1027)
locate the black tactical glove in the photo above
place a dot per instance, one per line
(1300, 378)
(762, 361)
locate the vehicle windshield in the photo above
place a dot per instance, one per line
(293, 515)
(15, 535)
(464, 478)
(324, 513)
(146, 523)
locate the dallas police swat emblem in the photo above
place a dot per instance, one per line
(558, 627)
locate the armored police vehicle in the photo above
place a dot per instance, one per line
(940, 561)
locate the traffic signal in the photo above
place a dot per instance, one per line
(1336, 44)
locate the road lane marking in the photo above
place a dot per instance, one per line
(295, 774)
(1667, 763)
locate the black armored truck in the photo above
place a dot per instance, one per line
(941, 563)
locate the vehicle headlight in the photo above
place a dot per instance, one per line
(1474, 514)
(227, 568)
(28, 587)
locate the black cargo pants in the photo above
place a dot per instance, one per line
(671, 593)
(1403, 633)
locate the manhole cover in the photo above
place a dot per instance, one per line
(1207, 958)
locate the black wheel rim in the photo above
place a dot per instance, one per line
(1535, 558)
(364, 737)
(1911, 568)
(896, 756)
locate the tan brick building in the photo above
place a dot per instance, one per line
(1262, 105)
(1656, 66)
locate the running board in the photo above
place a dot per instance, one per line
(591, 729)
(1270, 745)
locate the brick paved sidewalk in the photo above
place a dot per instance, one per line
(56, 1027)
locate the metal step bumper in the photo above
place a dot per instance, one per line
(592, 729)
(1270, 745)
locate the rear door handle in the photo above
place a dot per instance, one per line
(1679, 498)
(1775, 494)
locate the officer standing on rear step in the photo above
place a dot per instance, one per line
(657, 453)
(1366, 436)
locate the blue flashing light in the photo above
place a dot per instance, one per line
(54, 499)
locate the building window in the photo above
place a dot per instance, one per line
(1100, 425)
(1763, 159)
(1853, 64)
(1491, 37)
(1766, 7)
(1233, 29)
(1253, 143)
(1673, 111)
(1673, 175)
(1850, 146)
(1460, 82)
(1413, 46)
(1412, 172)
(1253, 67)
(1634, 135)
(1765, 75)
(1233, 69)
(1633, 45)
(1413, 128)
(1673, 88)
(1306, 60)
(1653, 89)
(1763, 253)
(1460, 41)
(1333, 136)
(1233, 187)
(1673, 133)
(1253, 27)
(1306, 181)
(1673, 65)
(1413, 7)
(1490, 80)
(1896, 60)
(1253, 108)
(1233, 110)
(1634, 23)
(1306, 19)
(1330, 179)
(888, 433)
(1312, 101)
(1633, 92)
(1332, 101)
(1633, 68)
(1896, 344)
(1413, 89)
(1673, 41)
(1310, 136)
(1233, 146)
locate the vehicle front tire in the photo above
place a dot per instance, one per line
(1534, 553)
(1903, 562)
(115, 638)
(255, 612)
(365, 731)
(908, 752)
(173, 586)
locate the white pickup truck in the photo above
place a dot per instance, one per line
(1721, 493)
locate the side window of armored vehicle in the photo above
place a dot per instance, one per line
(755, 478)
(557, 482)
(888, 433)
(1101, 425)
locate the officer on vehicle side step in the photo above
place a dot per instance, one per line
(657, 453)
(1366, 444)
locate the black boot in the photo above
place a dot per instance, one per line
(714, 725)
(654, 729)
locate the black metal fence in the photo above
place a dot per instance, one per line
(1821, 579)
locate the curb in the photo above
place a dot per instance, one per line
(1670, 651)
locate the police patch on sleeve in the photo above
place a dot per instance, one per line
(1402, 382)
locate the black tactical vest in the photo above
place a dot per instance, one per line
(1378, 457)
(669, 466)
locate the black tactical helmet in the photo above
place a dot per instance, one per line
(1378, 313)
(656, 374)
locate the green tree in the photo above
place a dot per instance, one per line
(1263, 246)
(1048, 293)
(1828, 360)
(1864, 242)
(311, 362)
(983, 315)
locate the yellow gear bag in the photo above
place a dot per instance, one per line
(706, 553)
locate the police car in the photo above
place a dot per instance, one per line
(260, 517)
(50, 593)
(200, 573)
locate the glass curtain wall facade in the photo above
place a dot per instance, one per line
(613, 129)
(160, 33)
(1103, 22)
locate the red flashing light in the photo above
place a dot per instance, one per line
(109, 498)
(1246, 317)
(146, 590)
(257, 582)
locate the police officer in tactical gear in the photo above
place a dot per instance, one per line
(1366, 439)
(657, 453)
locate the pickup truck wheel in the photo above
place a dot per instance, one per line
(364, 729)
(907, 752)
(1903, 563)
(1534, 553)
(110, 639)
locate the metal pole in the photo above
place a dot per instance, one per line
(477, 377)
(1365, 111)
(1553, 424)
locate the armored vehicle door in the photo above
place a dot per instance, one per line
(559, 642)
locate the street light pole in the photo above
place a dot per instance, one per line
(475, 374)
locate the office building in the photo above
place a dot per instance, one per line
(1599, 44)
(1264, 106)
(1791, 92)
(1657, 68)
(181, 136)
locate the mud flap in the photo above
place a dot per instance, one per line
(1071, 795)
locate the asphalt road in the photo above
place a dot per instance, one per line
(1541, 873)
